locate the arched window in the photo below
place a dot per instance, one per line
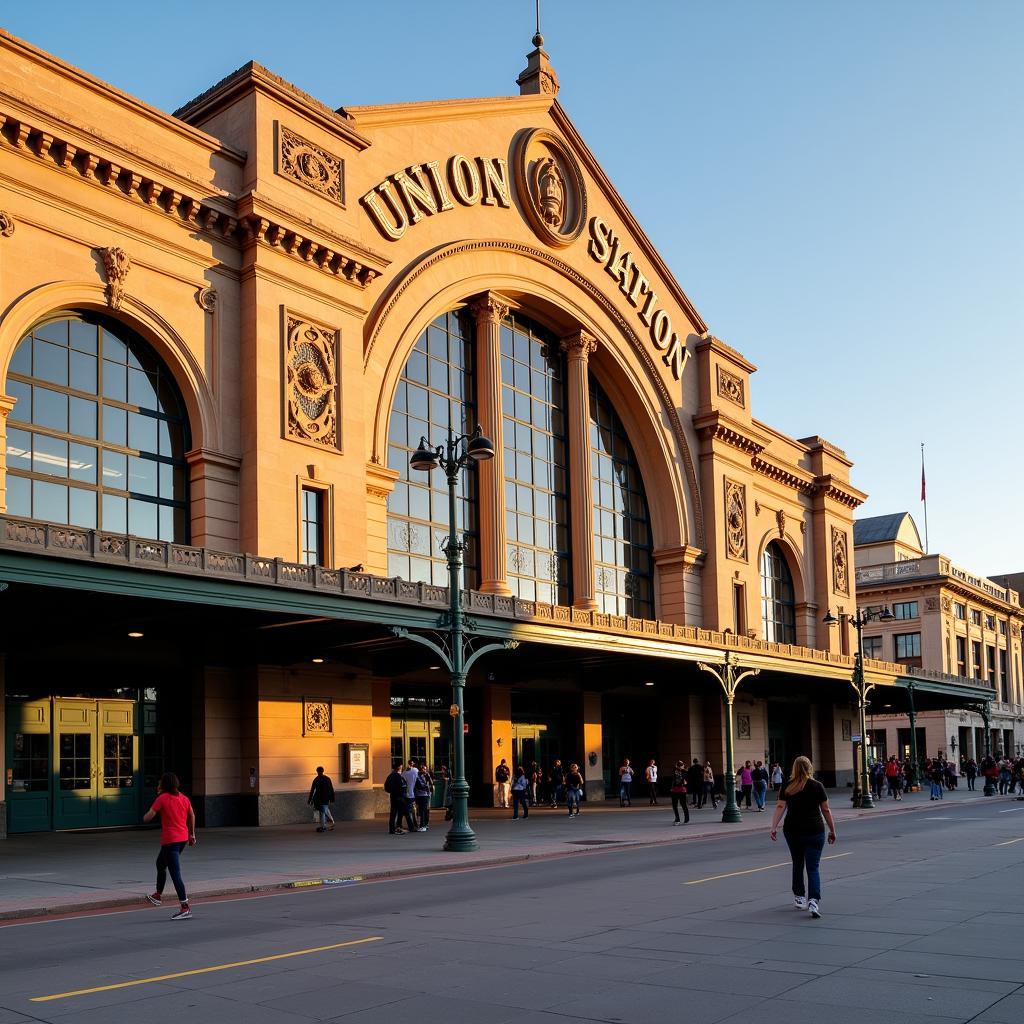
(777, 610)
(99, 432)
(436, 389)
(536, 475)
(622, 529)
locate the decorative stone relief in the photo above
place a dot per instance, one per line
(730, 387)
(931, 604)
(735, 520)
(489, 309)
(743, 727)
(780, 520)
(947, 604)
(207, 299)
(551, 189)
(311, 383)
(116, 264)
(312, 167)
(579, 345)
(840, 562)
(6, 224)
(316, 717)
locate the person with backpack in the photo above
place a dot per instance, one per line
(321, 796)
(573, 790)
(177, 830)
(680, 777)
(394, 786)
(502, 776)
(423, 790)
(520, 794)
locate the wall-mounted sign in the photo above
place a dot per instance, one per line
(605, 247)
(355, 762)
(423, 190)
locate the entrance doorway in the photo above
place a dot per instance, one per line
(533, 741)
(73, 763)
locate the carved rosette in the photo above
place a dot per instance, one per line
(311, 383)
(316, 717)
(116, 264)
(735, 520)
(730, 387)
(207, 299)
(6, 224)
(310, 165)
(840, 562)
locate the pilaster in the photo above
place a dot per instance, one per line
(6, 405)
(214, 499)
(380, 482)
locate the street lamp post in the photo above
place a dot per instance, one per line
(986, 717)
(455, 649)
(860, 684)
(912, 781)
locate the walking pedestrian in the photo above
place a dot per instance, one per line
(695, 784)
(893, 777)
(651, 774)
(759, 777)
(678, 791)
(410, 775)
(573, 790)
(625, 784)
(321, 796)
(709, 786)
(177, 830)
(935, 776)
(971, 771)
(520, 794)
(776, 777)
(533, 778)
(746, 781)
(394, 786)
(804, 803)
(557, 782)
(423, 790)
(502, 778)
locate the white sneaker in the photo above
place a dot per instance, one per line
(421, 829)
(800, 902)
(812, 906)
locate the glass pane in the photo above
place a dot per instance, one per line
(50, 409)
(50, 456)
(49, 501)
(142, 476)
(83, 417)
(82, 463)
(21, 361)
(115, 426)
(115, 470)
(56, 331)
(142, 389)
(50, 362)
(19, 449)
(114, 348)
(115, 514)
(142, 518)
(83, 336)
(19, 496)
(83, 372)
(83, 508)
(115, 381)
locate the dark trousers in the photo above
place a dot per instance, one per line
(708, 794)
(396, 813)
(679, 800)
(806, 854)
(746, 793)
(970, 782)
(519, 800)
(423, 808)
(652, 791)
(169, 860)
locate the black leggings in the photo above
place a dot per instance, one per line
(679, 800)
(169, 860)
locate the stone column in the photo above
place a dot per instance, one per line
(6, 406)
(578, 348)
(489, 310)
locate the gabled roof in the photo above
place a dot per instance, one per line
(881, 529)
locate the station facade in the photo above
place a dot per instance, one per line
(223, 331)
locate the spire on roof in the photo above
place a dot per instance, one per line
(539, 76)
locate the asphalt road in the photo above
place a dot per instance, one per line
(922, 923)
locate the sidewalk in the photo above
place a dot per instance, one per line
(53, 873)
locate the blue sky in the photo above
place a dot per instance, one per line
(837, 186)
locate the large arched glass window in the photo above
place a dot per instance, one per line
(536, 475)
(436, 389)
(99, 432)
(622, 529)
(777, 610)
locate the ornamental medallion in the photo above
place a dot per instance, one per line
(311, 383)
(310, 165)
(735, 520)
(550, 186)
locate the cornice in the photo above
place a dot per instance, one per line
(708, 342)
(804, 483)
(379, 115)
(909, 585)
(840, 491)
(717, 426)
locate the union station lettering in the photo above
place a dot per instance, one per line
(406, 197)
(606, 248)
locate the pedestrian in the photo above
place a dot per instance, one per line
(651, 774)
(423, 790)
(935, 777)
(709, 786)
(501, 777)
(892, 777)
(678, 791)
(625, 784)
(695, 783)
(746, 781)
(971, 771)
(776, 777)
(556, 782)
(804, 803)
(573, 790)
(394, 786)
(533, 778)
(879, 775)
(177, 830)
(410, 775)
(321, 796)
(759, 777)
(520, 794)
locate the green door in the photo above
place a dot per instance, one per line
(74, 742)
(28, 772)
(117, 750)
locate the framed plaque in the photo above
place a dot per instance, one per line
(355, 766)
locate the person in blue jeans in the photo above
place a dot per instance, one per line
(804, 803)
(625, 783)
(760, 781)
(573, 790)
(520, 793)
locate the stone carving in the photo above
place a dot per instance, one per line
(840, 562)
(311, 383)
(780, 519)
(116, 264)
(6, 224)
(316, 717)
(207, 299)
(551, 193)
(731, 387)
(551, 189)
(579, 345)
(931, 604)
(735, 520)
(488, 308)
(743, 727)
(947, 604)
(309, 165)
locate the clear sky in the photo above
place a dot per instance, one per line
(837, 186)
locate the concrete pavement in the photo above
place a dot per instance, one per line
(66, 872)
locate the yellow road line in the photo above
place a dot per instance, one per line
(766, 867)
(1010, 842)
(202, 970)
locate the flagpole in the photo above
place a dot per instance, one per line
(924, 498)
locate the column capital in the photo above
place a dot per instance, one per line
(7, 404)
(579, 345)
(489, 307)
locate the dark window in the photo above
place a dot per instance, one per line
(961, 656)
(959, 610)
(778, 613)
(533, 406)
(739, 609)
(975, 617)
(98, 436)
(873, 647)
(1003, 687)
(990, 622)
(30, 763)
(990, 665)
(118, 770)
(907, 645)
(905, 610)
(312, 552)
(436, 391)
(622, 527)
(976, 658)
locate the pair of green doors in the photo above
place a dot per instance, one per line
(71, 763)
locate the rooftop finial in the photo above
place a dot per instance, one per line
(539, 76)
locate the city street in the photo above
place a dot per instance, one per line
(921, 919)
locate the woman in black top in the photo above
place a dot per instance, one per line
(804, 802)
